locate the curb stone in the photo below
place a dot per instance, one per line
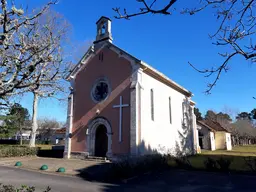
(43, 172)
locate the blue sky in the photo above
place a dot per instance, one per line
(165, 42)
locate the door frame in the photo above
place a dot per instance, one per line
(91, 136)
(100, 147)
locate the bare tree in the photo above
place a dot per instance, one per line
(47, 126)
(237, 25)
(48, 123)
(80, 49)
(232, 112)
(21, 48)
(243, 133)
(49, 75)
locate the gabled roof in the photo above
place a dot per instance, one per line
(61, 131)
(103, 17)
(213, 126)
(144, 66)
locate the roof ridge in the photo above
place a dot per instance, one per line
(216, 124)
(164, 78)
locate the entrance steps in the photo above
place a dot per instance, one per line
(98, 159)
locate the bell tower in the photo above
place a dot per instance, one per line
(103, 30)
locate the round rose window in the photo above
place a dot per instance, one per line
(100, 90)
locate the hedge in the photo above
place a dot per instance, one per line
(9, 142)
(126, 168)
(17, 151)
(17, 142)
(23, 188)
(38, 142)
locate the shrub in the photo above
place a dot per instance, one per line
(183, 162)
(221, 164)
(17, 151)
(24, 188)
(210, 164)
(130, 167)
(250, 162)
(224, 163)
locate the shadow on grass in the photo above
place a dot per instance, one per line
(171, 176)
(95, 173)
(103, 172)
(238, 164)
(111, 182)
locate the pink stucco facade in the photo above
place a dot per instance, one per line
(118, 72)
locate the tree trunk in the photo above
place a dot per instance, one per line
(20, 134)
(32, 142)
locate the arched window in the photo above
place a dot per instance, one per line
(152, 103)
(170, 109)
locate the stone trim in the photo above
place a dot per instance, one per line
(86, 57)
(91, 134)
(135, 94)
(195, 138)
(79, 155)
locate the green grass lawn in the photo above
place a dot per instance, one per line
(44, 147)
(238, 162)
(237, 155)
(248, 150)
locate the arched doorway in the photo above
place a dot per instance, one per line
(93, 127)
(101, 141)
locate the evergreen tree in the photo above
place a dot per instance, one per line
(198, 114)
(15, 120)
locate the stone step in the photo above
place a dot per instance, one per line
(100, 159)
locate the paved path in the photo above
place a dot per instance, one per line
(184, 181)
(19, 177)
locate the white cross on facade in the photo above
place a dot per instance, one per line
(120, 106)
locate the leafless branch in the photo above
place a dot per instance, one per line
(237, 27)
(145, 9)
(25, 45)
(217, 71)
